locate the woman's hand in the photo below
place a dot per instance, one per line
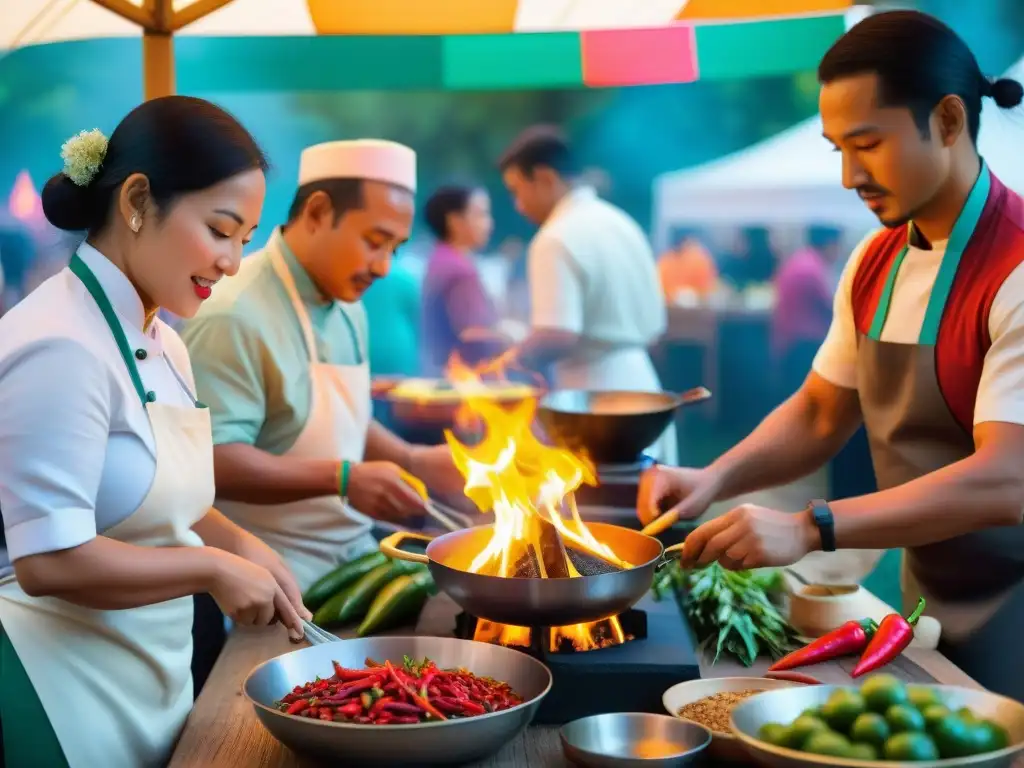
(249, 594)
(259, 553)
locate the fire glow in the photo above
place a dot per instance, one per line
(537, 528)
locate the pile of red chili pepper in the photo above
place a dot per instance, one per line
(385, 694)
(878, 644)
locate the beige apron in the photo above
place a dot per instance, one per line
(626, 368)
(974, 584)
(117, 685)
(315, 535)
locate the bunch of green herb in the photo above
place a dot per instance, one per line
(736, 611)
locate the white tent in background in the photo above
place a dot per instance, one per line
(795, 178)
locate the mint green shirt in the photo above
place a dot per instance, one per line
(248, 355)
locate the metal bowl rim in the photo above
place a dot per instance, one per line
(588, 752)
(653, 561)
(843, 762)
(728, 737)
(410, 726)
(676, 401)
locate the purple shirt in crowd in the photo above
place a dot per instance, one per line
(803, 300)
(454, 299)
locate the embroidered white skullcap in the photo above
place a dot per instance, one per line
(370, 159)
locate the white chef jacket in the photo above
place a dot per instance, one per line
(1001, 389)
(76, 448)
(592, 272)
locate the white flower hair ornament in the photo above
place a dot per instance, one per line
(83, 155)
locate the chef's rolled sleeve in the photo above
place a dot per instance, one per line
(53, 439)
(556, 286)
(227, 363)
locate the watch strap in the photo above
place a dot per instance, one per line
(821, 513)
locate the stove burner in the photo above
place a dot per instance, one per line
(633, 621)
(619, 470)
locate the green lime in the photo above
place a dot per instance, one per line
(933, 714)
(774, 733)
(913, 747)
(965, 714)
(883, 691)
(812, 712)
(843, 707)
(870, 728)
(862, 752)
(802, 729)
(903, 717)
(954, 737)
(922, 697)
(989, 736)
(827, 743)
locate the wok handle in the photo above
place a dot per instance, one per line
(389, 546)
(670, 553)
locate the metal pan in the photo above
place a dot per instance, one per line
(534, 602)
(611, 427)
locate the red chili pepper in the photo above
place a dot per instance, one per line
(297, 706)
(852, 637)
(423, 703)
(401, 708)
(795, 677)
(405, 720)
(893, 636)
(473, 708)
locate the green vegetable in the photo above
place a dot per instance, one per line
(862, 751)
(843, 707)
(933, 714)
(903, 717)
(953, 737)
(352, 602)
(774, 733)
(803, 728)
(330, 584)
(989, 736)
(736, 611)
(910, 746)
(883, 691)
(828, 743)
(870, 728)
(922, 697)
(397, 603)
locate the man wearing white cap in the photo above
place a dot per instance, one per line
(280, 356)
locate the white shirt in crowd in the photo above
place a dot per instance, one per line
(1001, 389)
(76, 448)
(592, 272)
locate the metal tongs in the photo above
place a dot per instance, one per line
(445, 515)
(316, 635)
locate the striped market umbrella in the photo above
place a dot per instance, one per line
(436, 44)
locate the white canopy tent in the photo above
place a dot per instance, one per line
(794, 178)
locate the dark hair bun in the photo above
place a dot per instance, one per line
(66, 205)
(1007, 93)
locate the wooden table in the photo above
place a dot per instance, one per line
(223, 730)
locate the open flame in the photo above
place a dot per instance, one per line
(530, 489)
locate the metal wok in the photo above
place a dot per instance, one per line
(536, 602)
(611, 427)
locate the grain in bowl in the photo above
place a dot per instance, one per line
(714, 711)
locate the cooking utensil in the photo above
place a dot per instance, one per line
(445, 515)
(316, 635)
(784, 706)
(611, 427)
(426, 744)
(534, 602)
(633, 740)
(723, 746)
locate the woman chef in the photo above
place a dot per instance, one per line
(106, 469)
(926, 347)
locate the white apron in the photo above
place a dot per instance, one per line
(117, 685)
(315, 535)
(626, 368)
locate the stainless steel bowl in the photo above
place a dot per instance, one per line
(633, 739)
(452, 742)
(784, 706)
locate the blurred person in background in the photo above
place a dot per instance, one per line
(596, 302)
(803, 304)
(458, 315)
(393, 319)
(687, 269)
(17, 255)
(753, 261)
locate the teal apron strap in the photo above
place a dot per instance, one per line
(28, 737)
(959, 238)
(92, 285)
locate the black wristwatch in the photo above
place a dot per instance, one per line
(826, 523)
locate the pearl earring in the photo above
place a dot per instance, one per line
(135, 222)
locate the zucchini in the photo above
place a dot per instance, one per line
(397, 603)
(352, 602)
(329, 585)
